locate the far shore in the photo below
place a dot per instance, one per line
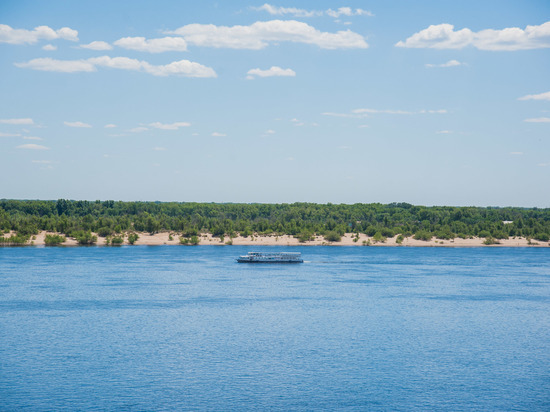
(171, 238)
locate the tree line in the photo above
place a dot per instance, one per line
(303, 220)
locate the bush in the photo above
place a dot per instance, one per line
(378, 238)
(440, 234)
(484, 233)
(304, 237)
(399, 239)
(54, 240)
(132, 237)
(490, 241)
(193, 241)
(423, 235)
(117, 240)
(84, 238)
(543, 237)
(332, 236)
(104, 231)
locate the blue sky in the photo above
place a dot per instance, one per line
(427, 102)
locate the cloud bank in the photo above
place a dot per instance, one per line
(444, 36)
(183, 68)
(274, 71)
(260, 34)
(22, 36)
(541, 96)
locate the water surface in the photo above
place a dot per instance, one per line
(353, 328)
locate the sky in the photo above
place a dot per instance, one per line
(426, 102)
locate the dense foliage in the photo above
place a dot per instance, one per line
(108, 218)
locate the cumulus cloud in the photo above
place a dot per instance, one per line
(48, 64)
(169, 126)
(77, 124)
(271, 72)
(49, 47)
(444, 36)
(260, 34)
(538, 120)
(216, 134)
(32, 146)
(348, 12)
(22, 36)
(153, 45)
(541, 96)
(183, 68)
(97, 45)
(293, 11)
(17, 121)
(138, 129)
(450, 63)
(376, 111)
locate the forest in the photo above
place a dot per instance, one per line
(81, 218)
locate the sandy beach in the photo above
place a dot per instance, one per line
(163, 238)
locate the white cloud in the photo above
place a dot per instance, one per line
(159, 149)
(49, 47)
(270, 131)
(77, 124)
(293, 11)
(450, 63)
(138, 129)
(183, 68)
(22, 36)
(32, 138)
(153, 45)
(260, 34)
(443, 36)
(346, 115)
(538, 120)
(32, 146)
(271, 72)
(348, 11)
(541, 96)
(169, 126)
(48, 64)
(9, 134)
(375, 111)
(444, 132)
(109, 126)
(17, 121)
(216, 134)
(97, 45)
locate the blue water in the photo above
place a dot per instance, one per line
(353, 328)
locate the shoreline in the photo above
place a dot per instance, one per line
(162, 238)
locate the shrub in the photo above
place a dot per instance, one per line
(132, 237)
(399, 239)
(490, 241)
(423, 235)
(193, 241)
(543, 237)
(378, 238)
(332, 236)
(104, 231)
(54, 240)
(84, 238)
(484, 233)
(117, 240)
(304, 236)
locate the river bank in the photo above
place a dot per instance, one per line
(349, 239)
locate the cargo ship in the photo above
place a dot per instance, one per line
(275, 257)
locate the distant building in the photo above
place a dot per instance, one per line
(507, 222)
